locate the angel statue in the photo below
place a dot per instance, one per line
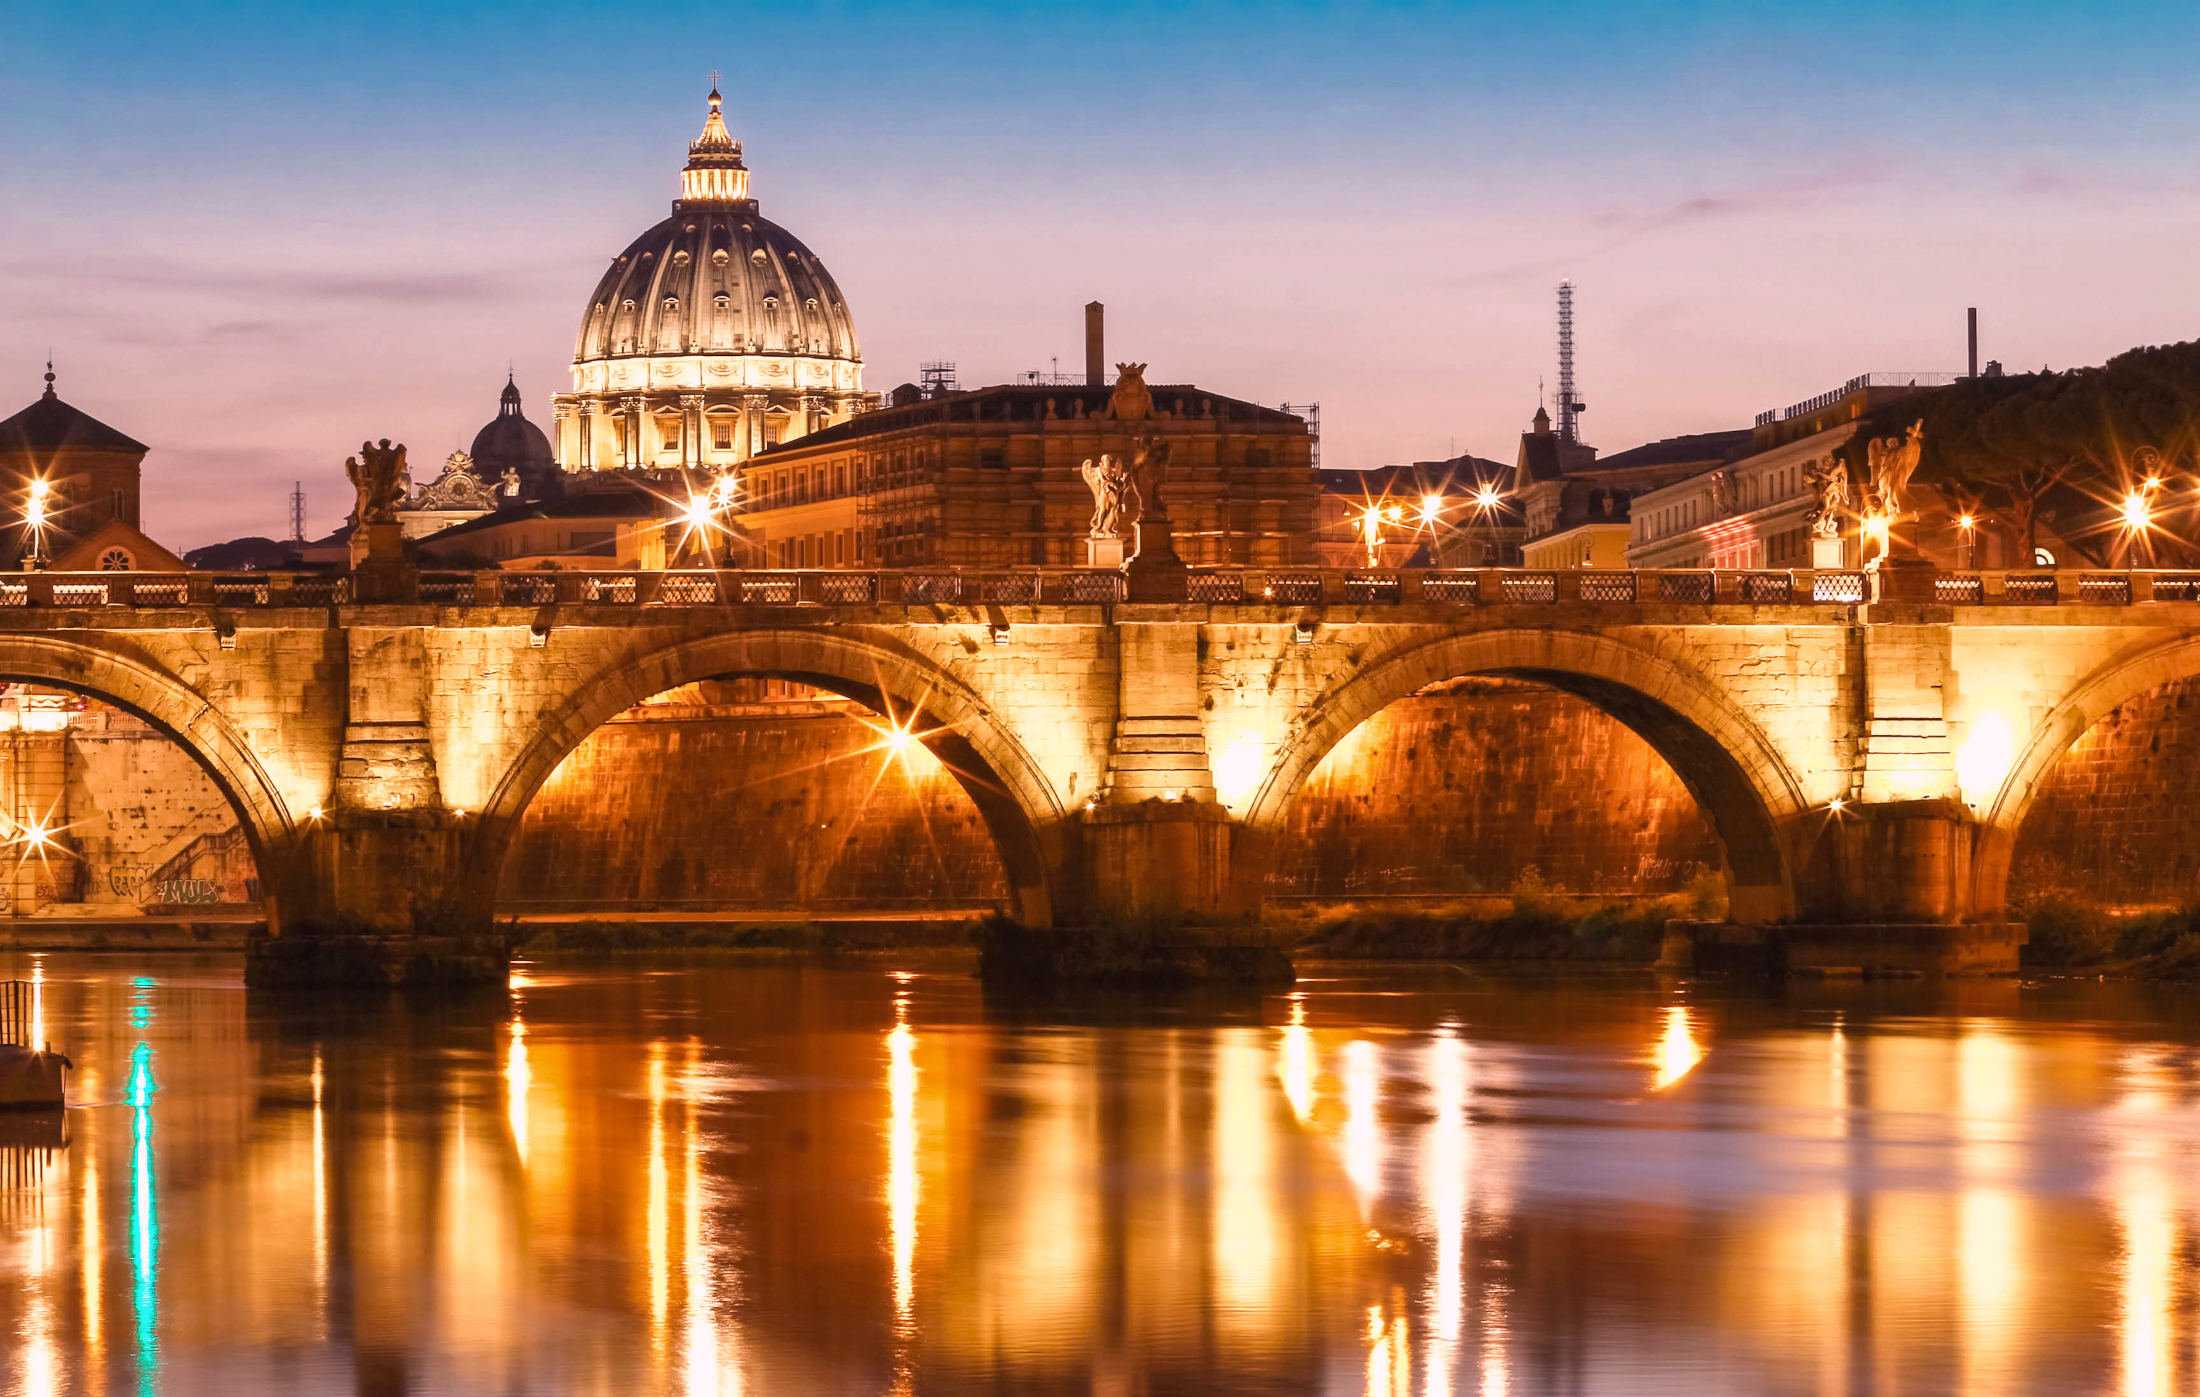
(1148, 473)
(1893, 461)
(1110, 484)
(382, 481)
(1829, 481)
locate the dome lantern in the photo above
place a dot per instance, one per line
(714, 178)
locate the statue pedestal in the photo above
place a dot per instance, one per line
(379, 572)
(1828, 554)
(1104, 550)
(1154, 572)
(1897, 578)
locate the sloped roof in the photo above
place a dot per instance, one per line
(626, 502)
(1676, 451)
(51, 424)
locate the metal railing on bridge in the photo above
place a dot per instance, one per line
(1221, 586)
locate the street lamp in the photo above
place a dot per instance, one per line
(34, 518)
(1371, 535)
(1878, 527)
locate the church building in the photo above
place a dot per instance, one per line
(715, 335)
(76, 479)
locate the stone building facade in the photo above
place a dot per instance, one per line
(713, 336)
(990, 478)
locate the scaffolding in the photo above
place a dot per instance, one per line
(1312, 412)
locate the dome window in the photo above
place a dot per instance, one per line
(757, 257)
(672, 303)
(719, 300)
(680, 259)
(811, 303)
(648, 256)
(771, 302)
(718, 258)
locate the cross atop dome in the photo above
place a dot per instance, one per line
(715, 175)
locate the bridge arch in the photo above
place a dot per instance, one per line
(2095, 697)
(1013, 796)
(2092, 699)
(181, 713)
(1726, 762)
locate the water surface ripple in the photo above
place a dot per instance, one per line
(795, 1178)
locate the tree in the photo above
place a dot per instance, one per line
(2078, 440)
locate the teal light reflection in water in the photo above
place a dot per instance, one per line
(144, 1215)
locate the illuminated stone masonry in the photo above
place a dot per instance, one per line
(1864, 745)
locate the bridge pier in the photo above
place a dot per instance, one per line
(1157, 843)
(375, 895)
(1158, 861)
(1883, 887)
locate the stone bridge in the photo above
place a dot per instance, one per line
(1865, 744)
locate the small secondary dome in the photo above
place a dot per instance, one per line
(511, 442)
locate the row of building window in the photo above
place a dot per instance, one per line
(1756, 492)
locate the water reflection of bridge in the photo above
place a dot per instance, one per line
(808, 1178)
(1865, 744)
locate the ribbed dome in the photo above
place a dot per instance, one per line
(717, 280)
(511, 441)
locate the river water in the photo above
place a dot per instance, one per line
(813, 1178)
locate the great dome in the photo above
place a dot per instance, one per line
(715, 334)
(720, 283)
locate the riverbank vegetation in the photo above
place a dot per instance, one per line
(2072, 928)
(1537, 923)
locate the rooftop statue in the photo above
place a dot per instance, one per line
(1131, 401)
(1110, 483)
(458, 487)
(1893, 461)
(378, 473)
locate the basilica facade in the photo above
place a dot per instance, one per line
(716, 335)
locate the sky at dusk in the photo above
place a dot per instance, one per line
(253, 234)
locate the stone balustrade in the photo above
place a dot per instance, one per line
(1248, 586)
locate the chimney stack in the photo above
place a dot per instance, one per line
(1974, 341)
(1096, 355)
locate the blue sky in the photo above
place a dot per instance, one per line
(254, 234)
